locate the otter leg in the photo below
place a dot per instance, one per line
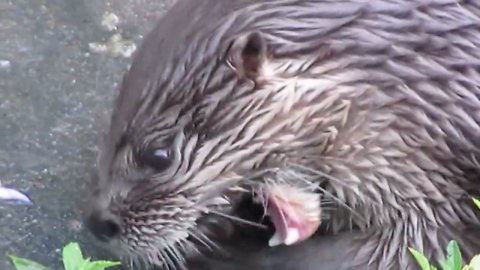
(295, 213)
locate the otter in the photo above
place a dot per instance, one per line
(364, 114)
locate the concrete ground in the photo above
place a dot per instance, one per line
(60, 63)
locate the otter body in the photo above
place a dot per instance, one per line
(374, 105)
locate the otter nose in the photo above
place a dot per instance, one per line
(102, 227)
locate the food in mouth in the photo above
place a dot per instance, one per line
(294, 213)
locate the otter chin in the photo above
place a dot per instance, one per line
(333, 117)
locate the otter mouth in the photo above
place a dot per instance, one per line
(271, 215)
(294, 213)
(289, 215)
(291, 220)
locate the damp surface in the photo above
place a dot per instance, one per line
(60, 64)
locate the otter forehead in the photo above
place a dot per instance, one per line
(321, 37)
(159, 68)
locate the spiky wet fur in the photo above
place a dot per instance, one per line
(377, 100)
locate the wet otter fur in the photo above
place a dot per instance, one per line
(375, 103)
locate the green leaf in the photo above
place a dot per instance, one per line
(84, 265)
(421, 259)
(25, 264)
(444, 264)
(101, 265)
(477, 202)
(72, 257)
(72, 260)
(454, 259)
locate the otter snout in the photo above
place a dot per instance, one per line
(102, 225)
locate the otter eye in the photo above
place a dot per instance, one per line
(158, 159)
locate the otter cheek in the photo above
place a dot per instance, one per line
(292, 215)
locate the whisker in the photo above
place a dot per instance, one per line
(170, 262)
(215, 189)
(188, 245)
(181, 247)
(327, 204)
(352, 211)
(230, 217)
(202, 241)
(233, 218)
(327, 192)
(212, 243)
(173, 253)
(130, 260)
(160, 255)
(174, 256)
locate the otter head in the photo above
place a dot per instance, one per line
(178, 156)
(210, 109)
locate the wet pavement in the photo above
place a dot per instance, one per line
(60, 63)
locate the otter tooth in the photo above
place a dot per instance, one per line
(293, 235)
(275, 240)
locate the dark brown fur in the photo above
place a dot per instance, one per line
(376, 102)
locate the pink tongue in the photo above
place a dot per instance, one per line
(291, 221)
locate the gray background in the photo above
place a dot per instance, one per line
(55, 95)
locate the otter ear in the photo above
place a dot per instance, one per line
(247, 53)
